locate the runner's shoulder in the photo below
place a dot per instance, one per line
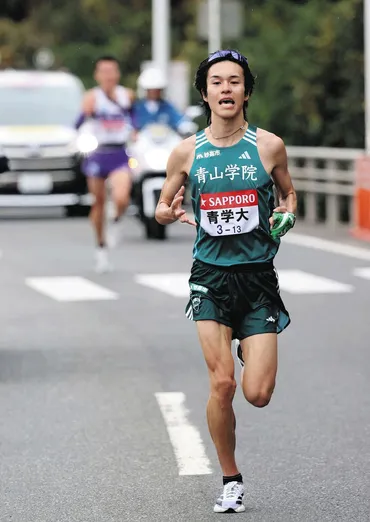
(90, 93)
(185, 149)
(270, 141)
(129, 92)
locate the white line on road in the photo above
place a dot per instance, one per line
(326, 245)
(185, 438)
(173, 284)
(363, 272)
(293, 281)
(70, 288)
(299, 282)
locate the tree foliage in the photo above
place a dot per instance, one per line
(307, 56)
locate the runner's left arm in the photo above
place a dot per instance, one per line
(283, 217)
(283, 182)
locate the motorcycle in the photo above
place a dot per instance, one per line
(148, 160)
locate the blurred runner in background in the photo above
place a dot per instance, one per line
(109, 109)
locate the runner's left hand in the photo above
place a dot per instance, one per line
(277, 209)
(281, 222)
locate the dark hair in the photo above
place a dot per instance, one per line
(106, 58)
(231, 55)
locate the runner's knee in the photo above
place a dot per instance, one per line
(98, 196)
(223, 388)
(259, 396)
(99, 201)
(122, 198)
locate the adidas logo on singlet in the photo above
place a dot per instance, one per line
(245, 155)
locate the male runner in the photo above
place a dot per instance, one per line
(232, 168)
(108, 106)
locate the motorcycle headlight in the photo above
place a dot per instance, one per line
(86, 143)
(157, 159)
(133, 163)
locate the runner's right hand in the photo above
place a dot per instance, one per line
(176, 209)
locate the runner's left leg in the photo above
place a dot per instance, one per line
(120, 184)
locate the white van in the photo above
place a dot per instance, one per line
(37, 114)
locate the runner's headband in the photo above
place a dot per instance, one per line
(225, 53)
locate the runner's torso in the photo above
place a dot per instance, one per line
(232, 198)
(112, 123)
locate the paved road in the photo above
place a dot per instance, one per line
(83, 437)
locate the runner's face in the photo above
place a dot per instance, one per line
(225, 81)
(107, 74)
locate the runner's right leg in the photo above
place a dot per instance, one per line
(215, 340)
(97, 189)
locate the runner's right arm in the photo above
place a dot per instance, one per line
(87, 108)
(169, 207)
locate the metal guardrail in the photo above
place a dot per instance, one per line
(324, 179)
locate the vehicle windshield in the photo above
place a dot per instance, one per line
(40, 105)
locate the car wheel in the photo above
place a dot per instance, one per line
(77, 211)
(155, 230)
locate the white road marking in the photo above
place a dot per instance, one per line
(363, 272)
(299, 282)
(185, 438)
(326, 245)
(70, 288)
(293, 281)
(173, 284)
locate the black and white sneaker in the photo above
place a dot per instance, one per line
(231, 499)
(239, 354)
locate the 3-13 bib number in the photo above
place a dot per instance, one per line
(236, 230)
(229, 213)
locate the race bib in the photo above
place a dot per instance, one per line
(113, 125)
(229, 213)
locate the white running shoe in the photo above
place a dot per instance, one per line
(114, 234)
(102, 263)
(231, 499)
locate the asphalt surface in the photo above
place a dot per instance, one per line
(82, 438)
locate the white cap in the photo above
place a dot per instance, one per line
(152, 78)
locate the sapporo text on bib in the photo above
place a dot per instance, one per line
(229, 213)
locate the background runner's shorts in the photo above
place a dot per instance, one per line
(102, 162)
(244, 297)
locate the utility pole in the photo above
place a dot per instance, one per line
(161, 34)
(214, 25)
(367, 73)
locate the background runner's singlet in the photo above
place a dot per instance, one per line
(232, 199)
(112, 121)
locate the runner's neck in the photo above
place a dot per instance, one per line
(225, 133)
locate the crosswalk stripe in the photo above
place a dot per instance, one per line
(363, 272)
(185, 438)
(326, 245)
(173, 284)
(70, 288)
(299, 282)
(291, 281)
